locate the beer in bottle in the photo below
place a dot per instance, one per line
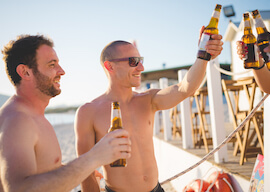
(116, 123)
(252, 58)
(263, 36)
(211, 28)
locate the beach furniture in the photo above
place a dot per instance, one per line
(249, 141)
(200, 126)
(176, 123)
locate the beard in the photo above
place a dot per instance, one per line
(45, 84)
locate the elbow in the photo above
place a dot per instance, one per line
(266, 90)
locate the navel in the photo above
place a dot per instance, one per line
(145, 178)
(57, 160)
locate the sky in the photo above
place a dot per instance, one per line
(166, 31)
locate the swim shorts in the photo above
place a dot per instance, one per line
(157, 188)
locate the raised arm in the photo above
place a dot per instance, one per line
(20, 172)
(172, 95)
(262, 76)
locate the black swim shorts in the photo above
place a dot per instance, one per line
(157, 188)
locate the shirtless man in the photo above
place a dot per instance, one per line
(262, 75)
(30, 156)
(123, 65)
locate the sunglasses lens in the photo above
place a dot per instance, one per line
(134, 61)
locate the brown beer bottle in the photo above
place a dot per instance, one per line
(116, 123)
(263, 36)
(211, 28)
(252, 58)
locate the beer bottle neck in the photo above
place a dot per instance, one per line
(116, 117)
(260, 26)
(214, 20)
(247, 29)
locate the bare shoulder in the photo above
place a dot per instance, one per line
(17, 126)
(19, 136)
(147, 96)
(148, 93)
(13, 115)
(16, 121)
(90, 112)
(88, 109)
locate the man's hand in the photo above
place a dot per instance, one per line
(214, 46)
(267, 49)
(113, 146)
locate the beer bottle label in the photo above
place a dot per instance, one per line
(216, 14)
(252, 54)
(259, 23)
(204, 39)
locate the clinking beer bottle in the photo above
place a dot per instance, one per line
(252, 58)
(211, 28)
(263, 36)
(116, 123)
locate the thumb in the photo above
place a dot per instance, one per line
(201, 32)
(267, 49)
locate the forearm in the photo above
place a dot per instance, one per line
(90, 184)
(172, 95)
(262, 77)
(62, 179)
(193, 78)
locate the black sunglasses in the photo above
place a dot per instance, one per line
(133, 61)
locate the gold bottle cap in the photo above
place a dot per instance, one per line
(115, 104)
(218, 6)
(246, 15)
(255, 12)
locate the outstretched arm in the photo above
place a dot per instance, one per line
(262, 76)
(172, 95)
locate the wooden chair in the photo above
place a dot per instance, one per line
(200, 126)
(244, 137)
(176, 123)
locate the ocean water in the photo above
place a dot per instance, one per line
(60, 118)
(67, 118)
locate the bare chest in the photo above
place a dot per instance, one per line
(47, 150)
(137, 118)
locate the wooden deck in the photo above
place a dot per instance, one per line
(232, 166)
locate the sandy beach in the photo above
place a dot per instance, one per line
(66, 138)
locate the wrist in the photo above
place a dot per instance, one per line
(260, 67)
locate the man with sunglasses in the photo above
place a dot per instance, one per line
(123, 65)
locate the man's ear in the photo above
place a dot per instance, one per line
(108, 66)
(23, 71)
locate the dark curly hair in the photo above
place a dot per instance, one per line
(22, 51)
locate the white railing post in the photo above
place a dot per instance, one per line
(167, 125)
(266, 144)
(185, 117)
(216, 110)
(156, 120)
